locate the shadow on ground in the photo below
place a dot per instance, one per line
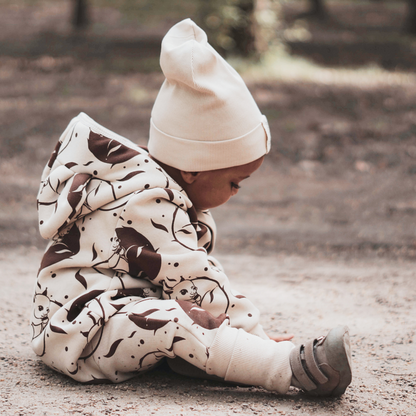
(352, 35)
(338, 181)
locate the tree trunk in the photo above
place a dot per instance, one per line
(243, 34)
(230, 27)
(317, 9)
(411, 17)
(80, 18)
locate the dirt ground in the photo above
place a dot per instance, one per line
(304, 295)
(327, 225)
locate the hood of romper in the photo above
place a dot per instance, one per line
(90, 167)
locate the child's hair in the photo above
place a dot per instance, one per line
(204, 117)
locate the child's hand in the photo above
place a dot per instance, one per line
(282, 337)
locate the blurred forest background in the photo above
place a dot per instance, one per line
(336, 79)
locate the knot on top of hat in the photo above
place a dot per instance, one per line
(188, 58)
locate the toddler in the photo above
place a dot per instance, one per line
(127, 279)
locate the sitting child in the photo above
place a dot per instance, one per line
(127, 279)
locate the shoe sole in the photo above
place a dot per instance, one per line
(338, 353)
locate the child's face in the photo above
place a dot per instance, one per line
(213, 188)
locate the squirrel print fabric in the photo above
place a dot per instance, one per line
(126, 278)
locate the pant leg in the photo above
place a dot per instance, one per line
(145, 331)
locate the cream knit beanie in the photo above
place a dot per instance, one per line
(204, 117)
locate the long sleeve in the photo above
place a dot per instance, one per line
(157, 238)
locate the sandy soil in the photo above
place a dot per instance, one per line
(324, 233)
(305, 296)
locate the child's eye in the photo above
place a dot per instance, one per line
(234, 185)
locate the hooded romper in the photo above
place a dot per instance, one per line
(126, 278)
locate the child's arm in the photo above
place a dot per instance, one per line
(167, 251)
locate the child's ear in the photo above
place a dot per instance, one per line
(189, 177)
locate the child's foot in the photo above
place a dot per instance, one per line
(322, 367)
